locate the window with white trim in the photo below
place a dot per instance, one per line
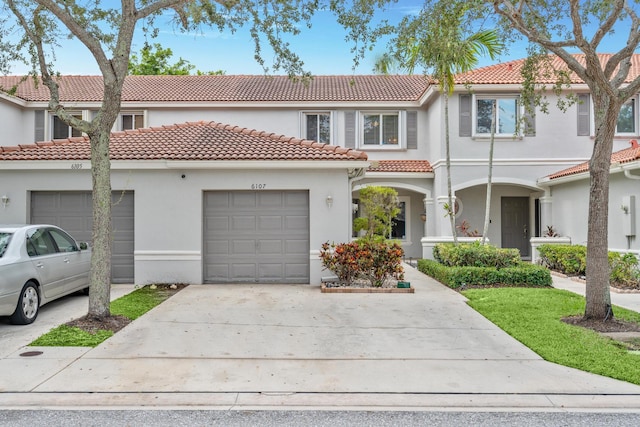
(627, 118)
(381, 130)
(131, 120)
(507, 115)
(61, 130)
(316, 126)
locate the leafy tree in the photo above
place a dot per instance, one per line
(380, 205)
(563, 27)
(437, 41)
(107, 30)
(156, 62)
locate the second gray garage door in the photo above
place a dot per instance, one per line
(256, 237)
(72, 211)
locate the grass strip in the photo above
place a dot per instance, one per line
(132, 306)
(533, 317)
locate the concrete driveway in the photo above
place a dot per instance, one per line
(278, 343)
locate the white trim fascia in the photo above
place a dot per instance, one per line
(615, 168)
(334, 105)
(497, 87)
(431, 92)
(13, 99)
(75, 165)
(509, 162)
(267, 164)
(418, 175)
(79, 165)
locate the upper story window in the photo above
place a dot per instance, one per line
(627, 118)
(131, 120)
(317, 126)
(61, 130)
(381, 130)
(627, 124)
(507, 115)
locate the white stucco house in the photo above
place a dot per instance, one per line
(222, 179)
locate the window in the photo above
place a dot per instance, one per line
(627, 118)
(63, 241)
(40, 243)
(381, 129)
(130, 121)
(507, 115)
(61, 130)
(317, 127)
(627, 124)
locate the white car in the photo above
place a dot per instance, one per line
(38, 263)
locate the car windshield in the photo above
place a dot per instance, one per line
(4, 242)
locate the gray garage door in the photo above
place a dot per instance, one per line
(71, 210)
(256, 237)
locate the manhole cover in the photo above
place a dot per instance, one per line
(30, 353)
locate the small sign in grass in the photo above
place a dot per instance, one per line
(534, 317)
(131, 306)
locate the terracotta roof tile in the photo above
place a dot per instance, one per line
(400, 166)
(509, 72)
(187, 141)
(623, 156)
(230, 88)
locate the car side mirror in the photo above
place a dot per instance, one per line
(83, 246)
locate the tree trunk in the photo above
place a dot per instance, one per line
(597, 288)
(100, 290)
(487, 208)
(451, 211)
(100, 285)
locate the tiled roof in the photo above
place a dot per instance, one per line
(187, 141)
(400, 166)
(623, 156)
(230, 88)
(509, 72)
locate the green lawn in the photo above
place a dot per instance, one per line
(132, 306)
(533, 316)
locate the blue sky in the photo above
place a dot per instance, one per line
(322, 48)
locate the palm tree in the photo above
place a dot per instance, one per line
(444, 51)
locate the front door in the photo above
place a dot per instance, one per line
(515, 224)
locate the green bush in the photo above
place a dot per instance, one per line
(521, 275)
(625, 271)
(572, 260)
(567, 259)
(475, 255)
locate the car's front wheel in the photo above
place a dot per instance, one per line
(28, 305)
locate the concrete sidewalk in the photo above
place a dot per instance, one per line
(279, 346)
(630, 301)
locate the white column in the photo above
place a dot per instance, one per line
(430, 211)
(442, 220)
(546, 215)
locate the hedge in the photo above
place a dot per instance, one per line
(522, 275)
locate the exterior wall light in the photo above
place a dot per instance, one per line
(5, 201)
(329, 201)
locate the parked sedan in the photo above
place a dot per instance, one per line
(38, 263)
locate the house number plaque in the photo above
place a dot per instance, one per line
(258, 186)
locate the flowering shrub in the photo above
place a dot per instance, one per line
(375, 262)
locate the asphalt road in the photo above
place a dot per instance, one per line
(195, 418)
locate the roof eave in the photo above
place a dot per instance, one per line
(80, 164)
(420, 175)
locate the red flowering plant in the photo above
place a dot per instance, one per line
(375, 262)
